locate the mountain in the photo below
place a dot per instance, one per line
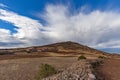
(58, 49)
(68, 47)
(64, 49)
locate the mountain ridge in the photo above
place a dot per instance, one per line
(65, 48)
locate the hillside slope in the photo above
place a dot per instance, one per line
(70, 47)
(57, 49)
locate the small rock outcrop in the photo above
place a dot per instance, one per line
(81, 70)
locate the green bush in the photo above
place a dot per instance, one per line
(45, 71)
(81, 57)
(101, 57)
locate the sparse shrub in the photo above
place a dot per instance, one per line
(45, 71)
(101, 57)
(81, 57)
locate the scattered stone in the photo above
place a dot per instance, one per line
(80, 70)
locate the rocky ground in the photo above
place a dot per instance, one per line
(108, 69)
(70, 67)
(81, 70)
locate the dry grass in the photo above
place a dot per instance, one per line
(27, 68)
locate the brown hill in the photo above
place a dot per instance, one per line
(68, 47)
(58, 49)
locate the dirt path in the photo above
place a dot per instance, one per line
(110, 69)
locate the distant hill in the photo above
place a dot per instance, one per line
(59, 49)
(69, 47)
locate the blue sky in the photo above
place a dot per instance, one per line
(31, 8)
(24, 23)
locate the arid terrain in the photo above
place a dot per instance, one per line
(27, 68)
(24, 63)
(109, 70)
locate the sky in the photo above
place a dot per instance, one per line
(95, 23)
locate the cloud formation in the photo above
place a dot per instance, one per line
(97, 28)
(28, 30)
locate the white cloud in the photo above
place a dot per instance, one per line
(92, 29)
(26, 26)
(4, 34)
(28, 29)
(6, 39)
(97, 29)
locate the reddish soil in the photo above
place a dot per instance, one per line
(109, 70)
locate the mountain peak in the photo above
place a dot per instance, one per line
(61, 48)
(71, 47)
